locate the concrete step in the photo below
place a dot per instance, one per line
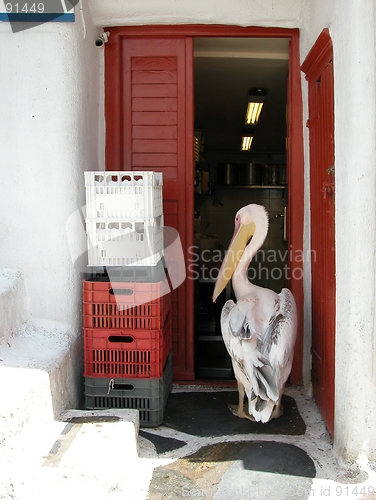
(93, 456)
(40, 376)
(40, 369)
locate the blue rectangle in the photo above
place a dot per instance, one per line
(45, 17)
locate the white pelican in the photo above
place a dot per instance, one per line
(259, 330)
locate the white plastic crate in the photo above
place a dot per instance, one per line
(124, 242)
(122, 195)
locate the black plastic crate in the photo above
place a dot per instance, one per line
(148, 396)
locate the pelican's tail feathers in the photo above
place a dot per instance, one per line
(266, 379)
(261, 374)
(264, 393)
(261, 409)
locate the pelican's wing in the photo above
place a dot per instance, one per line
(251, 368)
(277, 343)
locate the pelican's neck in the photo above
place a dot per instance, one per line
(240, 282)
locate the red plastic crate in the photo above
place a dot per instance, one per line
(128, 353)
(125, 305)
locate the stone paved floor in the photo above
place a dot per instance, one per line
(209, 468)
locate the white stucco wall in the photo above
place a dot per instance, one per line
(51, 119)
(354, 55)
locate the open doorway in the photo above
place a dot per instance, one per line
(226, 178)
(149, 66)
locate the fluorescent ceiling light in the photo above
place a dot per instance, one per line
(253, 112)
(255, 102)
(246, 142)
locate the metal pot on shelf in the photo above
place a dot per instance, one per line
(273, 174)
(227, 174)
(251, 174)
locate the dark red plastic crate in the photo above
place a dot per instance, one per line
(125, 305)
(127, 353)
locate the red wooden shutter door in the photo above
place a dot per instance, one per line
(149, 127)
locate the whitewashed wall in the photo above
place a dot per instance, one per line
(51, 119)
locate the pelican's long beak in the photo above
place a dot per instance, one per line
(241, 236)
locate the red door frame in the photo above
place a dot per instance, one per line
(295, 215)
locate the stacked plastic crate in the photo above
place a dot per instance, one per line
(126, 296)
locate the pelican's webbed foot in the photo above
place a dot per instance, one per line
(241, 410)
(242, 413)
